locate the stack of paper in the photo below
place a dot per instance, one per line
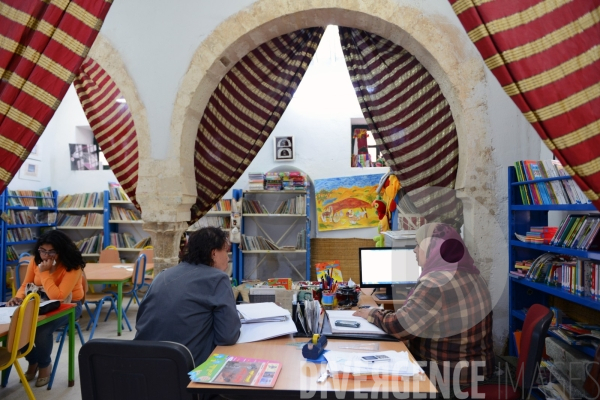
(261, 312)
(351, 364)
(365, 328)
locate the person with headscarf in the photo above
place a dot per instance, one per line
(447, 316)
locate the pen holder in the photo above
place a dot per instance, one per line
(328, 300)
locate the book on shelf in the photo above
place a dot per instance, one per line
(91, 245)
(82, 200)
(257, 243)
(147, 241)
(31, 198)
(296, 205)
(20, 235)
(578, 231)
(564, 191)
(222, 205)
(82, 220)
(253, 207)
(123, 240)
(232, 370)
(11, 254)
(116, 192)
(256, 181)
(124, 214)
(205, 221)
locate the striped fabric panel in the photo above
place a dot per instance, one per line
(408, 115)
(41, 44)
(111, 122)
(244, 109)
(546, 56)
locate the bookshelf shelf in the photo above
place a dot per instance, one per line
(275, 192)
(98, 210)
(119, 202)
(30, 226)
(20, 242)
(272, 251)
(90, 254)
(129, 249)
(80, 227)
(118, 221)
(524, 292)
(274, 215)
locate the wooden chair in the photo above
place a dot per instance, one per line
(109, 255)
(23, 326)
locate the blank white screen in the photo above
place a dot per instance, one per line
(389, 266)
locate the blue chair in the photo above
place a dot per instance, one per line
(20, 270)
(138, 281)
(64, 332)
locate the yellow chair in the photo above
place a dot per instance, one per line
(23, 325)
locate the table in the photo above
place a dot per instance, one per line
(106, 274)
(299, 378)
(64, 309)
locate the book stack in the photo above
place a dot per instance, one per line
(578, 232)
(563, 191)
(541, 234)
(521, 268)
(294, 180)
(231, 370)
(256, 181)
(273, 181)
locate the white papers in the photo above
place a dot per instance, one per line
(266, 330)
(6, 313)
(401, 234)
(346, 315)
(261, 312)
(346, 362)
(125, 267)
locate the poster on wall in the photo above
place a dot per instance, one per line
(284, 148)
(30, 170)
(345, 203)
(84, 157)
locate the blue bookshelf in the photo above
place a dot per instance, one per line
(524, 292)
(23, 245)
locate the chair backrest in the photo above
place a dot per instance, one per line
(139, 272)
(149, 252)
(109, 255)
(22, 328)
(535, 327)
(21, 269)
(126, 369)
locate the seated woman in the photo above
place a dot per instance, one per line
(192, 303)
(57, 267)
(447, 317)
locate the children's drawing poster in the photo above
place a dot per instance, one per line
(345, 203)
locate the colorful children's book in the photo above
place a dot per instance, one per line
(232, 370)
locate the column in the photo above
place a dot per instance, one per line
(166, 237)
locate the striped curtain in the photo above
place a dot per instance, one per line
(41, 44)
(111, 121)
(244, 109)
(410, 120)
(545, 54)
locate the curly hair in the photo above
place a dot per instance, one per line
(201, 244)
(68, 253)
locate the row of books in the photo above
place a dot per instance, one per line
(257, 243)
(116, 192)
(578, 232)
(253, 207)
(124, 214)
(127, 241)
(220, 222)
(574, 335)
(31, 198)
(272, 181)
(90, 245)
(89, 219)
(12, 217)
(256, 181)
(82, 200)
(147, 241)
(552, 192)
(296, 205)
(222, 205)
(20, 235)
(11, 254)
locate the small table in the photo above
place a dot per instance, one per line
(299, 377)
(64, 309)
(107, 274)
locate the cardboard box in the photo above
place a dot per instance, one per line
(284, 282)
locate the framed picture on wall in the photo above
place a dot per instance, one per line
(84, 157)
(284, 148)
(35, 152)
(30, 170)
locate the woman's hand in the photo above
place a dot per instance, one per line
(15, 301)
(46, 265)
(363, 313)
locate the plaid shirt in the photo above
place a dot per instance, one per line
(447, 318)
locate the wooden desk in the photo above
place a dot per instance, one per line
(106, 274)
(299, 378)
(64, 309)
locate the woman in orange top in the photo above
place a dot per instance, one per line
(58, 267)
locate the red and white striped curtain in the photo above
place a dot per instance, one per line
(244, 109)
(410, 120)
(111, 121)
(546, 56)
(42, 43)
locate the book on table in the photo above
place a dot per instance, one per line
(223, 369)
(397, 366)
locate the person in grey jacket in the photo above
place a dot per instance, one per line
(192, 303)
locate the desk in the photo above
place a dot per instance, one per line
(299, 378)
(368, 298)
(106, 274)
(64, 309)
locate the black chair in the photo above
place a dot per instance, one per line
(134, 369)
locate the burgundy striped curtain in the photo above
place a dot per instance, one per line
(111, 121)
(41, 44)
(546, 55)
(244, 109)
(410, 120)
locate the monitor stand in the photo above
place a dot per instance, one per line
(385, 296)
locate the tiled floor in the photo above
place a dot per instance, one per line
(60, 391)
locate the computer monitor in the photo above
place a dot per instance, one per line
(388, 267)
